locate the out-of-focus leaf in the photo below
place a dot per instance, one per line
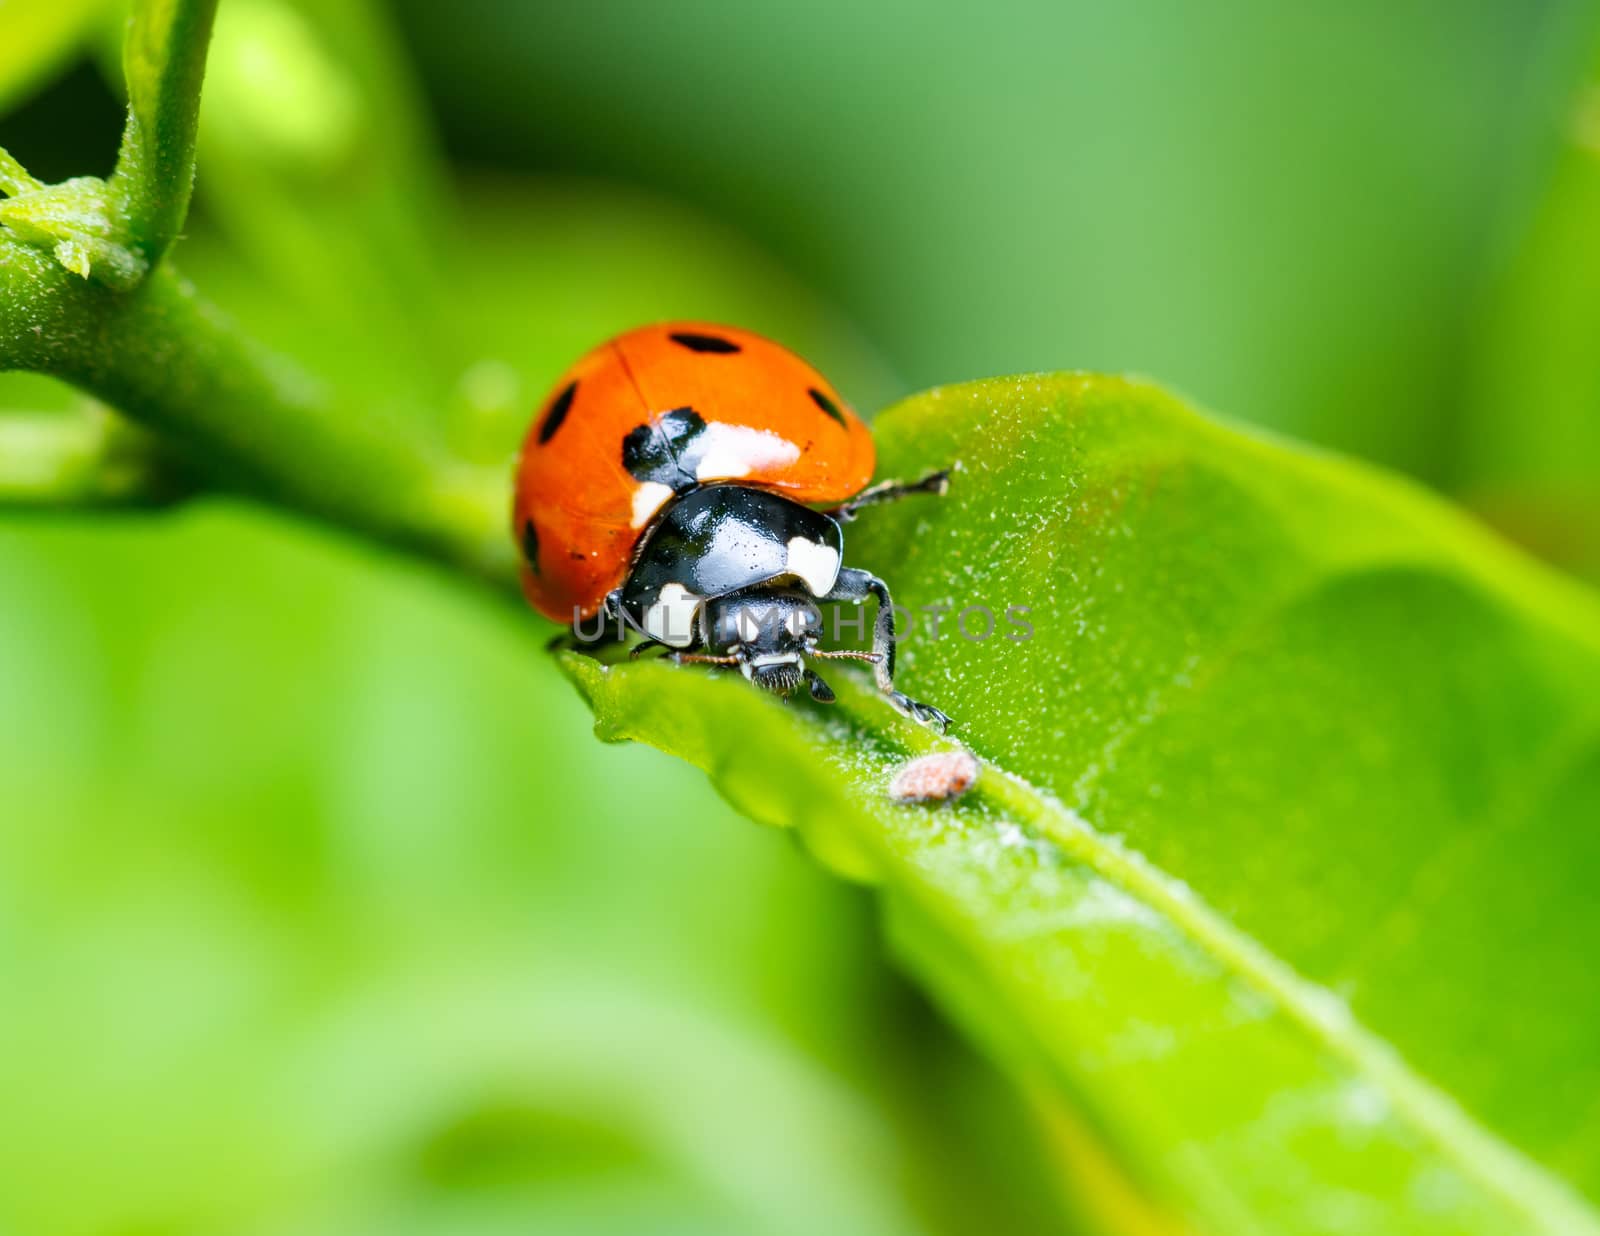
(38, 36)
(549, 266)
(1275, 206)
(1278, 876)
(1529, 457)
(318, 163)
(387, 940)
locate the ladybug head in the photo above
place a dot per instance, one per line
(780, 677)
(768, 631)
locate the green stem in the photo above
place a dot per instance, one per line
(139, 338)
(245, 415)
(164, 60)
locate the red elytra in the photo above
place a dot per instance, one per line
(583, 501)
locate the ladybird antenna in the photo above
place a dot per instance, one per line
(846, 654)
(700, 658)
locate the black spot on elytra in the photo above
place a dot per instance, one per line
(559, 407)
(530, 544)
(704, 343)
(665, 452)
(826, 404)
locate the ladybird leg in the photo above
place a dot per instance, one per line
(644, 646)
(855, 585)
(892, 491)
(574, 639)
(568, 640)
(820, 691)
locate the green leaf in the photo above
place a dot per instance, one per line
(1276, 883)
(318, 166)
(1529, 451)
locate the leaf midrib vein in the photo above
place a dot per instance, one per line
(1480, 1155)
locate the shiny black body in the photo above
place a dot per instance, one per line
(740, 571)
(722, 539)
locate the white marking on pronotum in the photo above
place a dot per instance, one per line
(739, 450)
(649, 498)
(671, 618)
(817, 566)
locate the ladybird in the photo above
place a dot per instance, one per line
(689, 481)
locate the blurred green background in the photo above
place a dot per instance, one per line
(320, 909)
